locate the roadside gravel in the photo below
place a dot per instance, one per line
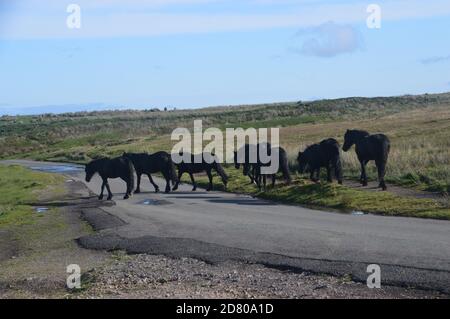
(147, 276)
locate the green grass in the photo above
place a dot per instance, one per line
(418, 127)
(18, 188)
(346, 199)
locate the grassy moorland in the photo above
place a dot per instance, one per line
(19, 188)
(419, 128)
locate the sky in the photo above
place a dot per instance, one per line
(197, 53)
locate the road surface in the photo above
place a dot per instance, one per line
(216, 226)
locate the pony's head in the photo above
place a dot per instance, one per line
(349, 140)
(351, 137)
(302, 162)
(90, 171)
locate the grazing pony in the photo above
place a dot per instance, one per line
(254, 170)
(149, 164)
(112, 168)
(192, 168)
(325, 154)
(369, 147)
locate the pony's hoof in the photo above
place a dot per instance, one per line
(109, 198)
(194, 189)
(175, 188)
(167, 191)
(100, 197)
(340, 182)
(137, 191)
(365, 184)
(157, 190)
(126, 197)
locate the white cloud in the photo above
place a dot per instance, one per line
(435, 59)
(329, 40)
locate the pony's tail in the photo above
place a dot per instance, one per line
(386, 149)
(172, 172)
(338, 169)
(221, 172)
(284, 166)
(131, 172)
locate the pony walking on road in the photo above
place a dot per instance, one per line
(325, 154)
(254, 170)
(153, 163)
(369, 147)
(191, 168)
(119, 167)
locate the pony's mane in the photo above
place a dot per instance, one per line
(360, 132)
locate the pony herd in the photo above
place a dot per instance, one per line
(325, 154)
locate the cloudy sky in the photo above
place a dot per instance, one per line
(193, 53)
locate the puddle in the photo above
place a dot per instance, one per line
(57, 168)
(358, 213)
(41, 209)
(154, 202)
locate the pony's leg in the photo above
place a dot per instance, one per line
(251, 174)
(193, 182)
(264, 181)
(100, 197)
(138, 187)
(128, 191)
(210, 178)
(110, 195)
(381, 167)
(167, 178)
(363, 173)
(273, 180)
(338, 170)
(258, 177)
(329, 175)
(315, 174)
(153, 183)
(180, 173)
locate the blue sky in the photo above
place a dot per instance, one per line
(195, 53)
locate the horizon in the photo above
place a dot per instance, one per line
(106, 109)
(191, 54)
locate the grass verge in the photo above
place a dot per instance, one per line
(346, 199)
(18, 188)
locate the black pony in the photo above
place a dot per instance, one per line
(192, 168)
(369, 147)
(153, 163)
(254, 170)
(112, 168)
(325, 154)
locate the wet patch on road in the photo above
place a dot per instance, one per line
(41, 209)
(154, 202)
(61, 169)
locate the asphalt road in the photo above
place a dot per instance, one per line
(216, 226)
